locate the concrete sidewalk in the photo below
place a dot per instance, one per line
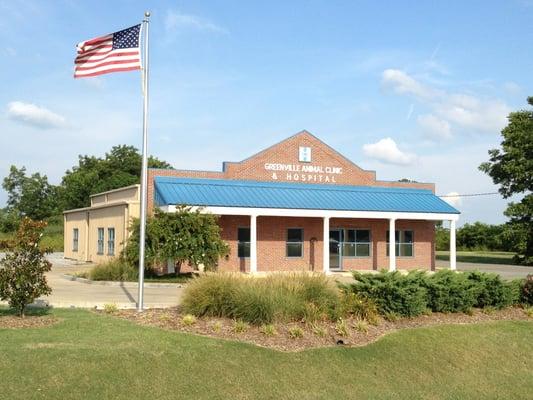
(67, 293)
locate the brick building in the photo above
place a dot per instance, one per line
(301, 205)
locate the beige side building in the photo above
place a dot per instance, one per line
(97, 233)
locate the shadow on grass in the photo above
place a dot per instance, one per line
(32, 311)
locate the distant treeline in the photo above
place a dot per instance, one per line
(478, 236)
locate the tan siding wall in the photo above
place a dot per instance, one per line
(109, 217)
(123, 195)
(98, 200)
(72, 221)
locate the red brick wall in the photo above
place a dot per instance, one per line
(272, 231)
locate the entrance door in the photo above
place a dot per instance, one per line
(335, 240)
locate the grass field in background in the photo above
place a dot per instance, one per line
(479, 257)
(90, 356)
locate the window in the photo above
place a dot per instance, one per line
(295, 237)
(356, 243)
(243, 245)
(75, 239)
(100, 249)
(404, 243)
(111, 241)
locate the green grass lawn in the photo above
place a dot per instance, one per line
(479, 257)
(89, 356)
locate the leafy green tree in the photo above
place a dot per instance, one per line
(30, 196)
(120, 167)
(22, 278)
(185, 236)
(511, 167)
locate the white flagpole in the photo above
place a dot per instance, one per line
(144, 172)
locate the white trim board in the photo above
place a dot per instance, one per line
(287, 212)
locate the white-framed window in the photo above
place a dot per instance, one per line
(243, 242)
(111, 241)
(100, 244)
(404, 243)
(75, 239)
(357, 243)
(295, 242)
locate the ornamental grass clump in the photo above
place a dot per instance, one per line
(275, 298)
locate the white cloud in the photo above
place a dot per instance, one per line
(402, 83)
(512, 88)
(34, 115)
(175, 21)
(433, 127)
(464, 111)
(388, 152)
(453, 199)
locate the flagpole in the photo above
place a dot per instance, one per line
(144, 172)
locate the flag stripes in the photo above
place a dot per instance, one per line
(116, 52)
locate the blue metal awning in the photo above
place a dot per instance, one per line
(254, 194)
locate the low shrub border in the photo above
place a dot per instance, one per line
(445, 291)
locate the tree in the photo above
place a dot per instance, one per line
(511, 167)
(120, 167)
(30, 196)
(185, 236)
(22, 278)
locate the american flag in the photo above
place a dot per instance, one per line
(115, 52)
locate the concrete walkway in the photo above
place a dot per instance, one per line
(66, 293)
(505, 271)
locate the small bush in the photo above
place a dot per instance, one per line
(361, 326)
(318, 330)
(113, 270)
(165, 317)
(393, 292)
(268, 330)
(110, 308)
(529, 311)
(217, 327)
(449, 291)
(296, 332)
(188, 320)
(341, 327)
(278, 297)
(527, 290)
(360, 307)
(240, 326)
(492, 291)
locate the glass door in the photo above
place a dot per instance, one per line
(335, 239)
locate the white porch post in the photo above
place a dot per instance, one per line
(392, 244)
(453, 254)
(253, 244)
(325, 241)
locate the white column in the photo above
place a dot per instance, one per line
(453, 254)
(253, 244)
(325, 241)
(392, 244)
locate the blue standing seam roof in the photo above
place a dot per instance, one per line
(255, 194)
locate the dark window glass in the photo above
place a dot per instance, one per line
(111, 241)
(75, 240)
(294, 247)
(404, 243)
(362, 236)
(100, 249)
(294, 235)
(350, 236)
(243, 245)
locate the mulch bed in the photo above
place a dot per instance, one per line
(223, 328)
(29, 321)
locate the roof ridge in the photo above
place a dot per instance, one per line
(289, 185)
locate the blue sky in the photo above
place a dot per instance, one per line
(410, 89)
